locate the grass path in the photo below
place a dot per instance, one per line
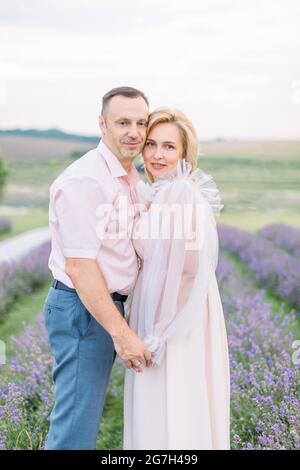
(23, 222)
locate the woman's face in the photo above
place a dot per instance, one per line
(162, 149)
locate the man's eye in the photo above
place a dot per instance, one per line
(143, 124)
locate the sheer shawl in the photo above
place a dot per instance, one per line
(180, 255)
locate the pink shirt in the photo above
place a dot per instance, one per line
(88, 218)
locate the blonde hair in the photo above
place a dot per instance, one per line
(187, 132)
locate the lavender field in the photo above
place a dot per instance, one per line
(259, 278)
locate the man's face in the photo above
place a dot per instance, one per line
(124, 126)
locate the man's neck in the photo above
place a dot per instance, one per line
(126, 164)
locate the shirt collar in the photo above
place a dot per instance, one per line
(115, 166)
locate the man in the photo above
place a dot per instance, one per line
(94, 270)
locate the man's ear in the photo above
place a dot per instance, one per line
(102, 125)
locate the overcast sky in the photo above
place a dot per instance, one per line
(233, 66)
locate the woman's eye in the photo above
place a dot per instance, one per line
(148, 144)
(170, 147)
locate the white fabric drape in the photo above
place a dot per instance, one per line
(173, 260)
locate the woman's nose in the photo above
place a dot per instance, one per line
(158, 154)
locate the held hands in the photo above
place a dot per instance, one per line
(131, 350)
(136, 369)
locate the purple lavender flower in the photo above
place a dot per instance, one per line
(283, 236)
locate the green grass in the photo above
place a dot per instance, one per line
(254, 221)
(23, 222)
(111, 431)
(23, 312)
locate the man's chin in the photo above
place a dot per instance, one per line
(131, 153)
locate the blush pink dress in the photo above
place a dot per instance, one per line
(183, 401)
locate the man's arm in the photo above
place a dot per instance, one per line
(90, 285)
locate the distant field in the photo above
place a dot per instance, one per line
(29, 184)
(32, 150)
(259, 181)
(33, 164)
(270, 148)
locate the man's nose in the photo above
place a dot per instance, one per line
(133, 132)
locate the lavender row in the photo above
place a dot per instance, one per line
(5, 225)
(23, 276)
(273, 268)
(265, 394)
(283, 236)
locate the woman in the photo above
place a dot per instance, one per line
(182, 402)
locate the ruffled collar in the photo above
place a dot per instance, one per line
(204, 182)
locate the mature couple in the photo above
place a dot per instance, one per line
(153, 245)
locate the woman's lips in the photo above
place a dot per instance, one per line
(158, 166)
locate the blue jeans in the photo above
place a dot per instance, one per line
(84, 355)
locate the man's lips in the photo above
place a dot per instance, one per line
(131, 144)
